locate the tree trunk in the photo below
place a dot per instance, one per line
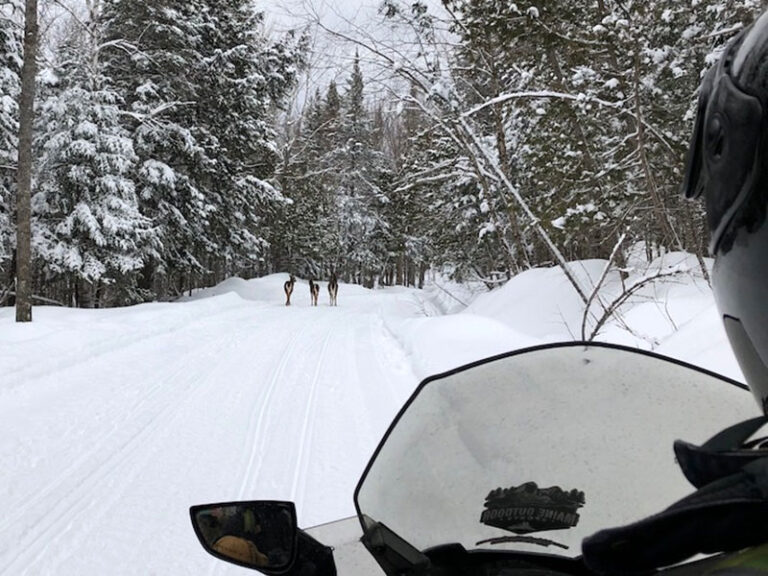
(84, 293)
(24, 173)
(11, 299)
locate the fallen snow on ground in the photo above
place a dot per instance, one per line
(675, 316)
(113, 422)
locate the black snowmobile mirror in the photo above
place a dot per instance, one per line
(261, 535)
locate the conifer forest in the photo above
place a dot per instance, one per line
(178, 143)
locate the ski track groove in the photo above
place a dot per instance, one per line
(257, 425)
(119, 451)
(124, 456)
(41, 494)
(308, 427)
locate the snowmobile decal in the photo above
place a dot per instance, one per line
(527, 508)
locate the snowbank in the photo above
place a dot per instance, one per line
(436, 345)
(540, 302)
(674, 315)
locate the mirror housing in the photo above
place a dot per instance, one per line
(262, 535)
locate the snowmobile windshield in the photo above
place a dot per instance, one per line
(535, 450)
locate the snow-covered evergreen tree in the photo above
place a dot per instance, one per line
(305, 237)
(154, 49)
(89, 228)
(585, 107)
(202, 82)
(360, 184)
(242, 77)
(10, 66)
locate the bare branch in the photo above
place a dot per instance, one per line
(449, 294)
(613, 307)
(549, 94)
(599, 284)
(34, 297)
(723, 32)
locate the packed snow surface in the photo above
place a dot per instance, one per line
(114, 422)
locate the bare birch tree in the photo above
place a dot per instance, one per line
(23, 209)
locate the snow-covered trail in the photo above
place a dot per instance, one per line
(113, 422)
(125, 421)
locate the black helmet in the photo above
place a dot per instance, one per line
(728, 164)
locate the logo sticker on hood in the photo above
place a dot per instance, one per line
(528, 508)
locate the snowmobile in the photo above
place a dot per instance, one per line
(563, 459)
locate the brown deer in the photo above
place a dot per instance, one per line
(288, 287)
(333, 289)
(314, 291)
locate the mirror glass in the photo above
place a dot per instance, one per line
(259, 534)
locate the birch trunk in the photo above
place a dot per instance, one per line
(24, 174)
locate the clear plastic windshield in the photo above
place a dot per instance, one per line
(536, 450)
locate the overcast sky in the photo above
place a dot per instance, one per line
(333, 13)
(332, 57)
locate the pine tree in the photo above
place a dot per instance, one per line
(90, 228)
(361, 186)
(203, 82)
(242, 77)
(156, 47)
(306, 232)
(10, 68)
(601, 149)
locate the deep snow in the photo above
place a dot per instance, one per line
(113, 422)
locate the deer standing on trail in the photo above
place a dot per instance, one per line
(288, 287)
(314, 291)
(333, 289)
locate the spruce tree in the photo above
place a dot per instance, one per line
(242, 78)
(10, 68)
(155, 49)
(90, 227)
(361, 186)
(306, 233)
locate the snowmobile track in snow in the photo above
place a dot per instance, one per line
(78, 481)
(309, 424)
(258, 424)
(141, 414)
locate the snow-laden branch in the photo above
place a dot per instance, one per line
(581, 98)
(535, 94)
(152, 114)
(446, 176)
(723, 32)
(124, 45)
